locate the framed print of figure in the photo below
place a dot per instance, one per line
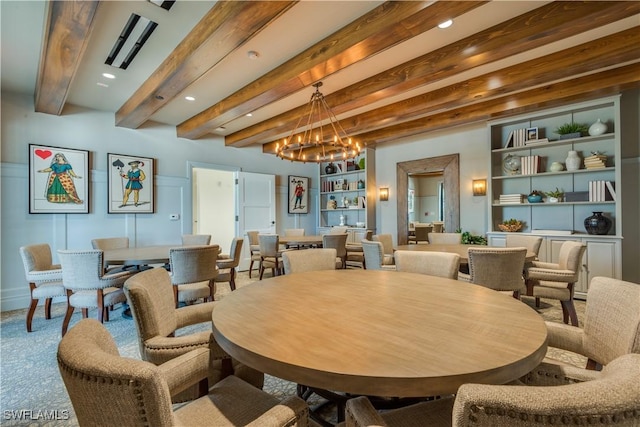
(58, 180)
(298, 194)
(130, 184)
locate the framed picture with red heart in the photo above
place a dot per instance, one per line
(58, 180)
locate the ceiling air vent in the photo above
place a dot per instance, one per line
(133, 36)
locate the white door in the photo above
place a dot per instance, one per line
(214, 205)
(256, 208)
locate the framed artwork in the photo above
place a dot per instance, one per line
(130, 184)
(532, 133)
(298, 194)
(58, 180)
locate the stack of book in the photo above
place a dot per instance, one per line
(529, 165)
(595, 161)
(510, 199)
(601, 191)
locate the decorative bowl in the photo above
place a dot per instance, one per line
(534, 198)
(510, 227)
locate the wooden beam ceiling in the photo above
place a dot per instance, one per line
(549, 23)
(227, 26)
(67, 31)
(383, 27)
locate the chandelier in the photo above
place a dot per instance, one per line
(323, 144)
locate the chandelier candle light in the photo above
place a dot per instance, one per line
(308, 145)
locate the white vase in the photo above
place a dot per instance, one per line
(556, 167)
(573, 161)
(598, 128)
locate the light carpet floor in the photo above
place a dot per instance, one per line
(29, 378)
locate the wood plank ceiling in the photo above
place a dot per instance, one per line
(601, 66)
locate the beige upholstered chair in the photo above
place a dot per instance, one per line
(196, 239)
(498, 268)
(532, 243)
(227, 266)
(109, 390)
(374, 256)
(611, 323)
(338, 229)
(440, 264)
(339, 243)
(44, 277)
(422, 233)
(87, 285)
(254, 249)
(557, 280)
(293, 232)
(109, 243)
(445, 238)
(159, 325)
(270, 254)
(387, 247)
(438, 226)
(309, 260)
(355, 255)
(193, 272)
(562, 396)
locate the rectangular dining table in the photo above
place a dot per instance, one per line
(380, 333)
(461, 249)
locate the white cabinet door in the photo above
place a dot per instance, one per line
(602, 259)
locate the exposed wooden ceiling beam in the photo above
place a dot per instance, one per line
(68, 27)
(547, 24)
(583, 88)
(383, 27)
(228, 25)
(610, 51)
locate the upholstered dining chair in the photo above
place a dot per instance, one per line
(106, 389)
(387, 247)
(374, 256)
(193, 272)
(422, 233)
(445, 238)
(611, 323)
(355, 255)
(196, 239)
(270, 254)
(339, 243)
(293, 232)
(227, 266)
(254, 249)
(338, 229)
(309, 260)
(497, 268)
(440, 264)
(532, 243)
(560, 395)
(438, 226)
(44, 277)
(160, 326)
(87, 286)
(108, 243)
(557, 280)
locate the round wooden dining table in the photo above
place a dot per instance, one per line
(380, 333)
(460, 249)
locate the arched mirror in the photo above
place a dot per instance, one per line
(449, 166)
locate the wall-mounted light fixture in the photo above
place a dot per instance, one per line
(384, 194)
(479, 187)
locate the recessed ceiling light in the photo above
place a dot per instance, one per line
(108, 76)
(445, 24)
(220, 128)
(252, 54)
(102, 84)
(249, 115)
(189, 98)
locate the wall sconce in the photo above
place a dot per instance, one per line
(479, 187)
(384, 194)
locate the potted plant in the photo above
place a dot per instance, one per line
(535, 196)
(571, 130)
(511, 225)
(555, 195)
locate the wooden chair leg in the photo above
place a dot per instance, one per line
(85, 313)
(47, 308)
(232, 281)
(537, 302)
(101, 308)
(32, 309)
(67, 315)
(569, 312)
(175, 295)
(250, 268)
